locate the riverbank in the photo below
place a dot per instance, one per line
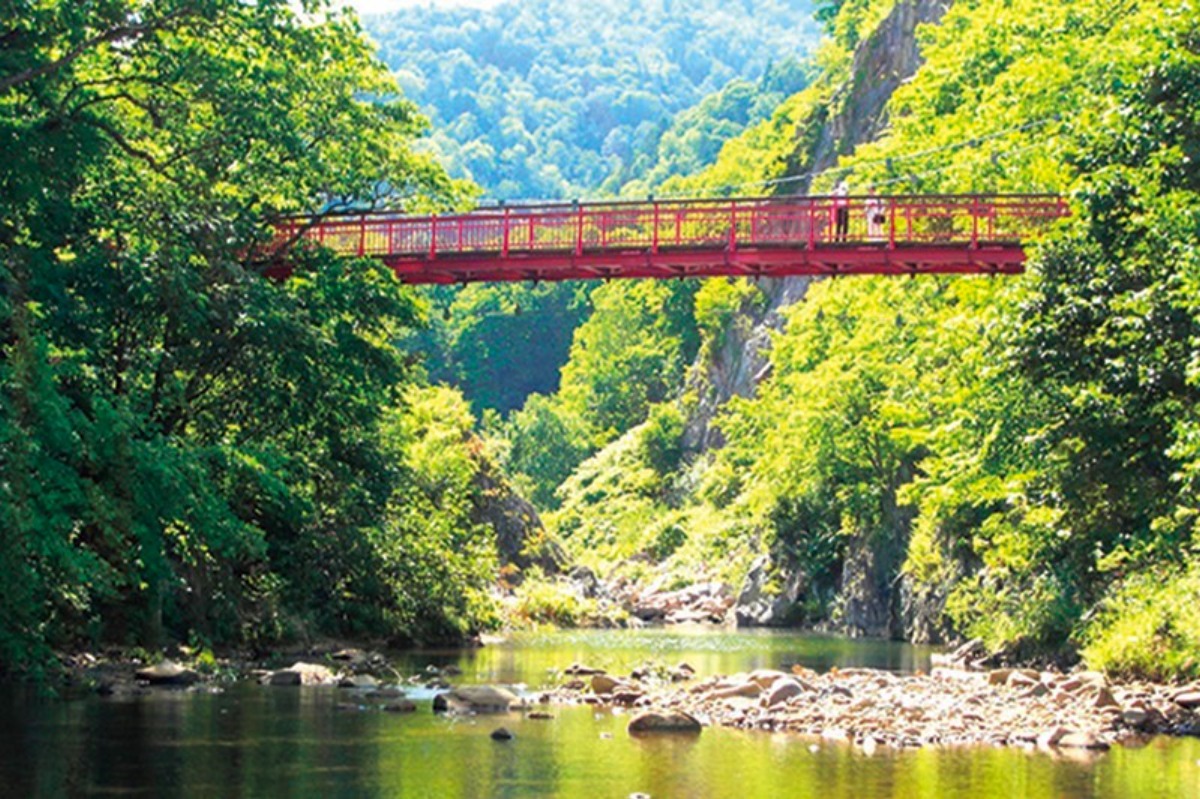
(874, 708)
(868, 707)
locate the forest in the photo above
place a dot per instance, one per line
(192, 452)
(549, 100)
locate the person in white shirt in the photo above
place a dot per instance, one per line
(876, 215)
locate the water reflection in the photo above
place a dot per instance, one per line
(254, 741)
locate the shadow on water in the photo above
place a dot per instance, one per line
(254, 741)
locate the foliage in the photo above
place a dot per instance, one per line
(500, 343)
(190, 450)
(1149, 627)
(546, 99)
(631, 353)
(695, 135)
(1022, 452)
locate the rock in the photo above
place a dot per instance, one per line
(1135, 717)
(474, 699)
(999, 676)
(667, 721)
(400, 706)
(757, 605)
(1104, 698)
(168, 673)
(747, 689)
(502, 734)
(783, 690)
(574, 685)
(1093, 678)
(1037, 691)
(540, 715)
(301, 674)
(766, 677)
(1070, 685)
(1052, 736)
(350, 655)
(1188, 700)
(1022, 678)
(383, 694)
(603, 684)
(359, 681)
(1081, 740)
(627, 696)
(452, 671)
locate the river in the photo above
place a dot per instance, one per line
(254, 741)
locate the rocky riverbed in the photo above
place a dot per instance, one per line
(951, 705)
(872, 708)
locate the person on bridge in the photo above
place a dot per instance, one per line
(841, 210)
(876, 216)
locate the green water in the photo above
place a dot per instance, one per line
(253, 741)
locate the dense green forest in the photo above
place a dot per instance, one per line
(189, 451)
(543, 99)
(192, 452)
(1009, 459)
(556, 99)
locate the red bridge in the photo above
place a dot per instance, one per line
(975, 234)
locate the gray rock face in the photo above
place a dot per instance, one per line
(520, 536)
(868, 605)
(755, 607)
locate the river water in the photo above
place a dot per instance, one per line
(256, 741)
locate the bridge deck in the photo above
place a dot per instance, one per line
(679, 238)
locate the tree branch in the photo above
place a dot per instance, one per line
(114, 34)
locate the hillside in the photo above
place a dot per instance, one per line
(938, 458)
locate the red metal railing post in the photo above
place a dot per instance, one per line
(812, 225)
(579, 232)
(975, 222)
(891, 224)
(433, 237)
(678, 226)
(460, 235)
(362, 235)
(506, 234)
(654, 236)
(732, 226)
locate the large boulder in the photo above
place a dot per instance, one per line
(167, 673)
(664, 721)
(474, 699)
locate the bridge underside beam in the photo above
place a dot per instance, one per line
(851, 259)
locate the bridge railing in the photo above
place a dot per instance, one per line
(579, 228)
